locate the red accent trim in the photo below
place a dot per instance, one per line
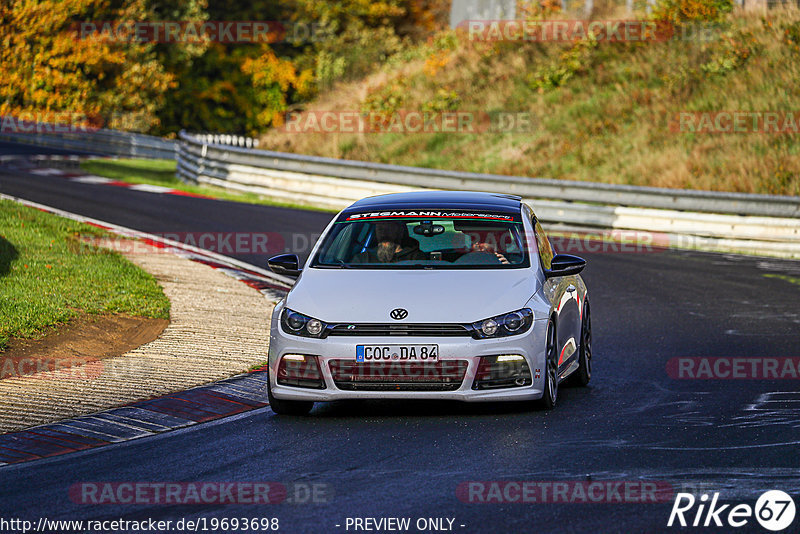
(561, 356)
(199, 405)
(102, 227)
(509, 218)
(188, 194)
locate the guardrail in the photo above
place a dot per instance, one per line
(694, 219)
(222, 161)
(91, 141)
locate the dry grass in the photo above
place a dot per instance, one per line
(609, 121)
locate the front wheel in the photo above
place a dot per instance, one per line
(548, 400)
(287, 407)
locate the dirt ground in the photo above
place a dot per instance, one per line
(85, 339)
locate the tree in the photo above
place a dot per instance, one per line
(51, 67)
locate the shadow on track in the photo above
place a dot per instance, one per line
(358, 409)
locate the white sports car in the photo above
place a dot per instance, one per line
(430, 295)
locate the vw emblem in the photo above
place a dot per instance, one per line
(398, 314)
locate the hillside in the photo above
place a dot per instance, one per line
(600, 111)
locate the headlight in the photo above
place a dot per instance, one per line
(514, 321)
(301, 325)
(314, 327)
(508, 324)
(295, 321)
(489, 327)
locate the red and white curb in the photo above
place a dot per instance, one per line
(37, 165)
(153, 416)
(137, 420)
(99, 180)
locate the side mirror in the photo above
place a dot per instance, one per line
(285, 264)
(565, 265)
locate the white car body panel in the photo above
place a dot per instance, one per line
(462, 296)
(368, 295)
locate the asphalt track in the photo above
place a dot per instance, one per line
(407, 459)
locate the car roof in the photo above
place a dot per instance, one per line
(438, 200)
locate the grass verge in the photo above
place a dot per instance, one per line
(48, 275)
(162, 172)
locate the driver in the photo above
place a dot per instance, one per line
(394, 244)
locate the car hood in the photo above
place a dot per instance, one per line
(448, 296)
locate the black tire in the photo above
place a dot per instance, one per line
(287, 407)
(550, 394)
(583, 373)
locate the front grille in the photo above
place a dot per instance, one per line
(446, 375)
(385, 329)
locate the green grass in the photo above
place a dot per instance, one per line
(140, 171)
(162, 172)
(48, 275)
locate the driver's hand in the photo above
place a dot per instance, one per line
(486, 247)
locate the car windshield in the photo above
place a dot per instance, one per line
(406, 241)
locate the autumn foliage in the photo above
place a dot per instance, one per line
(48, 70)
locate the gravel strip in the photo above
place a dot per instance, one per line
(218, 327)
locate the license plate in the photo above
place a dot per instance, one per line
(400, 353)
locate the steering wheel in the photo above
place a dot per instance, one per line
(479, 258)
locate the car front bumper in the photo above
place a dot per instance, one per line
(530, 345)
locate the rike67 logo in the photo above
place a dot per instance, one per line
(774, 510)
